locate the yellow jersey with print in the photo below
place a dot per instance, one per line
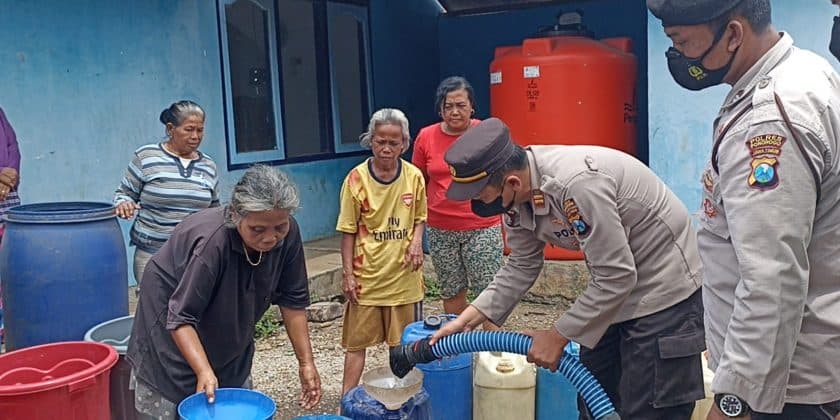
(382, 216)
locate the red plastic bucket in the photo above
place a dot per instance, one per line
(66, 380)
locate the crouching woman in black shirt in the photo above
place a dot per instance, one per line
(207, 287)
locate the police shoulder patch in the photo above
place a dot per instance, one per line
(764, 166)
(579, 225)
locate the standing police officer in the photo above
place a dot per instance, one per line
(770, 226)
(834, 44)
(640, 319)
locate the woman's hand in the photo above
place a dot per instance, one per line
(351, 288)
(310, 386)
(8, 180)
(414, 256)
(126, 209)
(207, 383)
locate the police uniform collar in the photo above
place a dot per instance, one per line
(538, 200)
(744, 86)
(538, 204)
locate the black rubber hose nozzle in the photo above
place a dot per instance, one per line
(405, 356)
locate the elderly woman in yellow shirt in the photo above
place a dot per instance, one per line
(382, 215)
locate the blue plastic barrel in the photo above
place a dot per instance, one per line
(556, 397)
(449, 380)
(359, 405)
(64, 270)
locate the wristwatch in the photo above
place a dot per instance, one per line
(731, 406)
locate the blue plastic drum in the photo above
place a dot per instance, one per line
(557, 398)
(64, 270)
(449, 380)
(231, 404)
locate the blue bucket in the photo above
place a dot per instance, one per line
(231, 404)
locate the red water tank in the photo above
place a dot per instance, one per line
(564, 87)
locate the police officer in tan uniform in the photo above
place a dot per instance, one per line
(770, 221)
(640, 319)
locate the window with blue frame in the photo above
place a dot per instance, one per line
(296, 78)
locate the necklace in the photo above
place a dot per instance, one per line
(172, 152)
(248, 257)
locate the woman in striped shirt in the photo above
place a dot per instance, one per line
(166, 182)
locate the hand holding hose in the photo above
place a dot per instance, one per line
(403, 358)
(546, 348)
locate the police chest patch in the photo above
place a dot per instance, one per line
(764, 167)
(708, 182)
(579, 225)
(710, 209)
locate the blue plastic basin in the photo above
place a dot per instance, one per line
(231, 404)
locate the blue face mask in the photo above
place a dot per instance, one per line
(690, 72)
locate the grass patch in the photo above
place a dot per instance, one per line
(432, 289)
(267, 325)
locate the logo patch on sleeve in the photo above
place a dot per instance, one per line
(575, 218)
(764, 167)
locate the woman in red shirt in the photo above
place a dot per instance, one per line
(466, 249)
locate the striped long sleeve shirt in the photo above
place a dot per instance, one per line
(166, 191)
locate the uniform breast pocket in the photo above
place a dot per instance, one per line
(712, 216)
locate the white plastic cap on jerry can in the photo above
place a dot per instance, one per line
(500, 370)
(504, 387)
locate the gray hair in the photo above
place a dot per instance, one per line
(262, 188)
(176, 113)
(386, 116)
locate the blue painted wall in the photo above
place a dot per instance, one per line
(84, 82)
(681, 121)
(467, 43)
(405, 57)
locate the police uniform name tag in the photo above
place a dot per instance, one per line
(764, 167)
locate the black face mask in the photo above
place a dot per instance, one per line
(690, 73)
(492, 208)
(834, 46)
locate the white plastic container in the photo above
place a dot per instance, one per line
(702, 407)
(504, 387)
